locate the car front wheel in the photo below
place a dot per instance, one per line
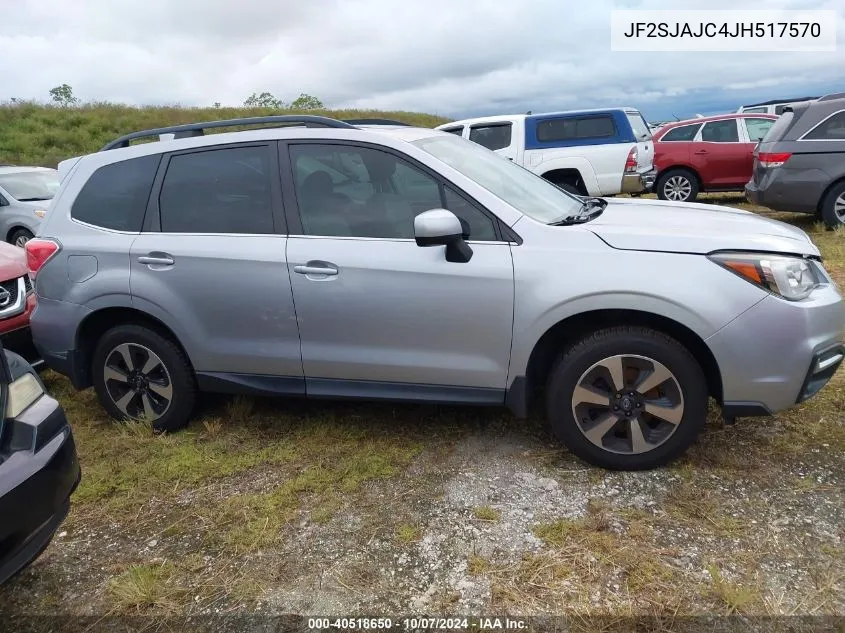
(141, 375)
(677, 185)
(627, 398)
(20, 237)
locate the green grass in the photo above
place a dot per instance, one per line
(33, 134)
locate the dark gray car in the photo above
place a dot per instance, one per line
(800, 164)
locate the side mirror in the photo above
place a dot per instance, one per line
(439, 227)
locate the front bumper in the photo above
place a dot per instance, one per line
(764, 354)
(639, 182)
(38, 473)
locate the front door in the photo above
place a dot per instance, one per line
(378, 315)
(211, 265)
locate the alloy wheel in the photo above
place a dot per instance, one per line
(137, 382)
(839, 208)
(677, 188)
(628, 404)
(21, 240)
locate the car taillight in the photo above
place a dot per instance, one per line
(38, 251)
(631, 161)
(773, 159)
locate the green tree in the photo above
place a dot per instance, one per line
(263, 100)
(63, 95)
(306, 102)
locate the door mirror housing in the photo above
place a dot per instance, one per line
(439, 227)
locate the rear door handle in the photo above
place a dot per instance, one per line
(701, 151)
(161, 260)
(315, 270)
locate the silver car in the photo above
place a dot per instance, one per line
(405, 264)
(25, 193)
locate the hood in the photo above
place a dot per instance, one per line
(680, 227)
(34, 204)
(12, 262)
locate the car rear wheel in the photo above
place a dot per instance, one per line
(627, 398)
(833, 207)
(20, 237)
(141, 375)
(677, 185)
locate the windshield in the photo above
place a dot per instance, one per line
(523, 190)
(26, 186)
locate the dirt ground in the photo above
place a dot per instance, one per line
(272, 506)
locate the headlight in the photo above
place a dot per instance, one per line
(792, 278)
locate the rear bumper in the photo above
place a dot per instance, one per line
(35, 485)
(637, 183)
(769, 356)
(778, 195)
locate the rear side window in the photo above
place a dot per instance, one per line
(757, 128)
(831, 129)
(492, 136)
(574, 128)
(218, 191)
(720, 132)
(755, 110)
(115, 196)
(457, 131)
(682, 133)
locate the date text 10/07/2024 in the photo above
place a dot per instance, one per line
(418, 624)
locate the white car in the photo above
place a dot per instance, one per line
(588, 152)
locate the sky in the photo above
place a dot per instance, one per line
(455, 58)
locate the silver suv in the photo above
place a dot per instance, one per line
(389, 262)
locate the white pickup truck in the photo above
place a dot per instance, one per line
(588, 152)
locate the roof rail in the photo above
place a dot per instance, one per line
(196, 129)
(833, 96)
(375, 122)
(778, 101)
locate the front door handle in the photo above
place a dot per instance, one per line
(160, 260)
(315, 270)
(701, 151)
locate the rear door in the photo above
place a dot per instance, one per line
(719, 156)
(499, 137)
(645, 143)
(211, 263)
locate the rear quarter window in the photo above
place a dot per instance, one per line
(576, 128)
(115, 196)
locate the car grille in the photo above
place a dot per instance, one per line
(27, 283)
(11, 287)
(10, 303)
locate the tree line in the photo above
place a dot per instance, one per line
(63, 96)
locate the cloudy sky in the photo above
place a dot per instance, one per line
(450, 57)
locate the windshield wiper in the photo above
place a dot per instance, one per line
(34, 199)
(590, 210)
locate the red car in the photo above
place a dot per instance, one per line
(708, 154)
(17, 300)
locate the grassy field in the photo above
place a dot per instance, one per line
(33, 134)
(331, 508)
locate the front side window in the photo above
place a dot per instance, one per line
(720, 132)
(525, 191)
(576, 128)
(682, 133)
(29, 186)
(115, 196)
(831, 129)
(757, 128)
(492, 137)
(218, 191)
(379, 198)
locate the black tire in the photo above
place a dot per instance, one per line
(179, 374)
(22, 235)
(635, 341)
(683, 175)
(830, 214)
